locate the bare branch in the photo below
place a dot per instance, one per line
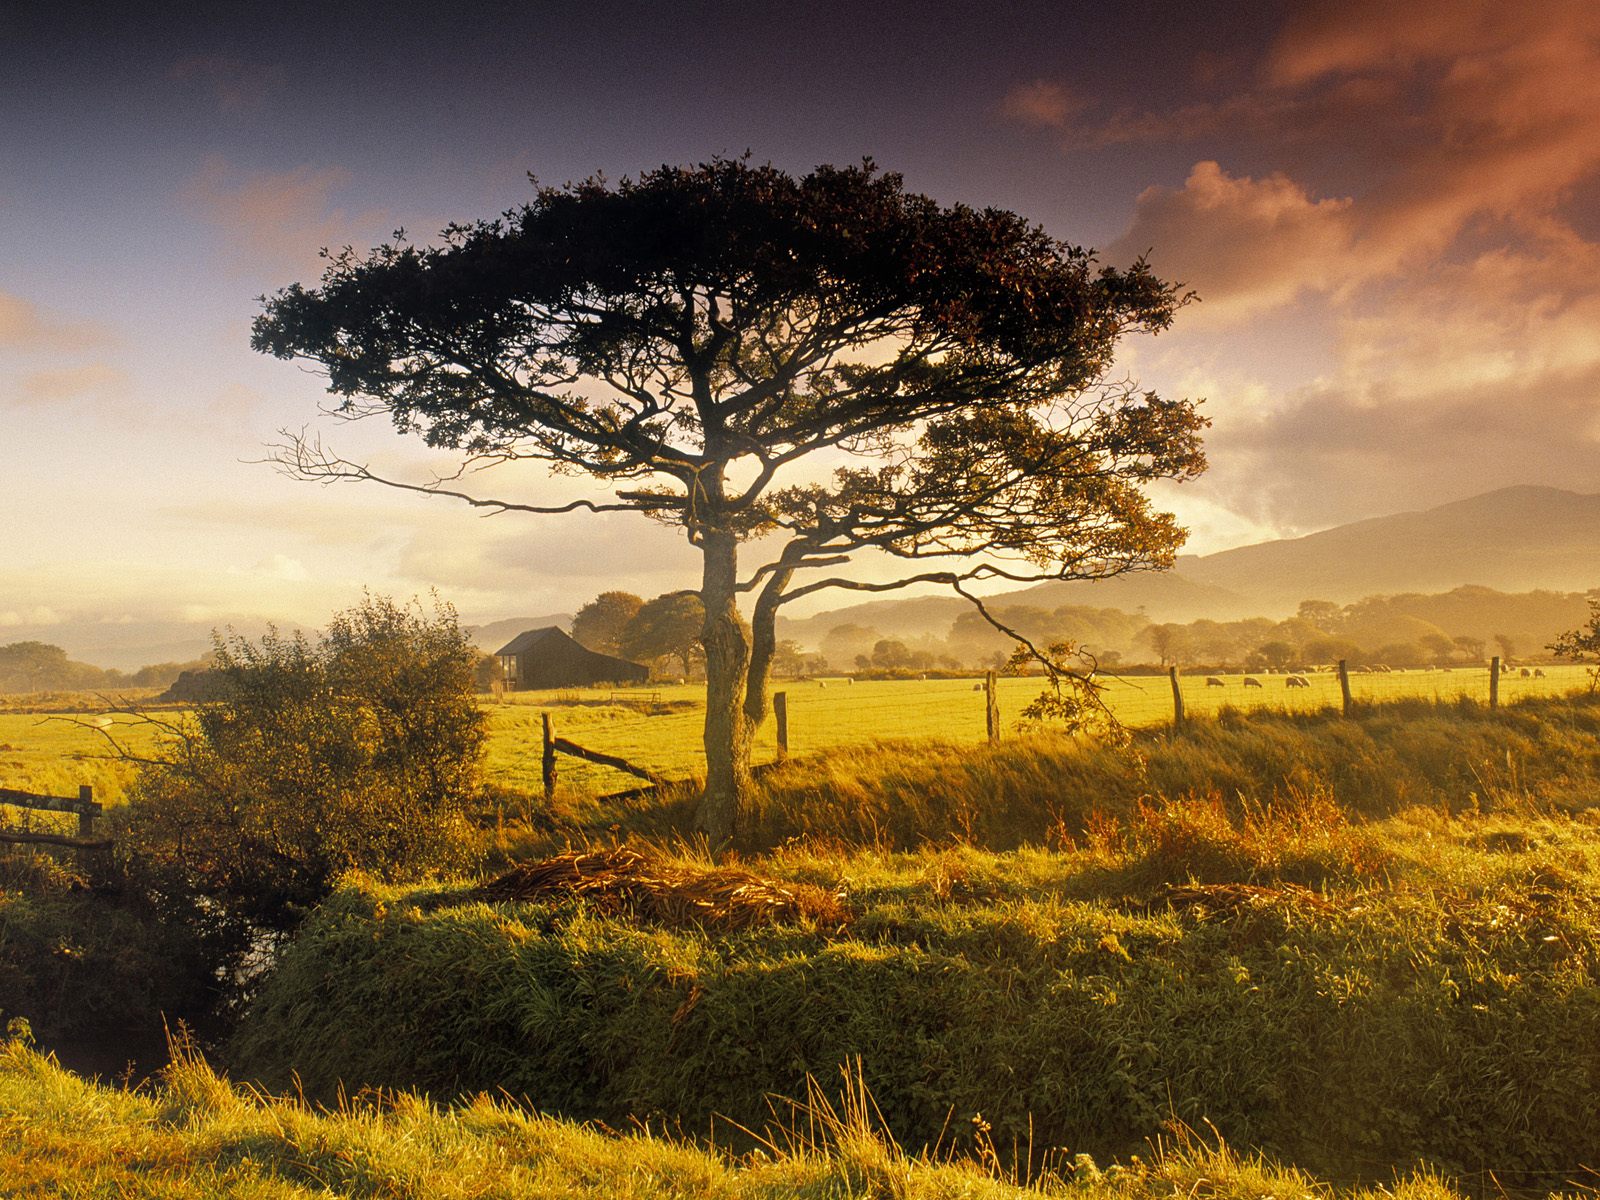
(309, 461)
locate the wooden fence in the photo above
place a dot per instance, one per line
(83, 804)
(1349, 704)
(555, 746)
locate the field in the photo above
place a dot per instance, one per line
(1369, 948)
(195, 1135)
(1357, 946)
(659, 728)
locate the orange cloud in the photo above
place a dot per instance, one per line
(26, 327)
(1471, 374)
(1042, 102)
(1446, 260)
(1244, 244)
(280, 220)
(90, 381)
(1443, 113)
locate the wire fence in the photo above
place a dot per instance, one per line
(661, 729)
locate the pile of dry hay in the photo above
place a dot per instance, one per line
(623, 881)
(1228, 899)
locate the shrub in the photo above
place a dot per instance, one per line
(356, 752)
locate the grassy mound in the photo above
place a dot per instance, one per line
(1355, 998)
(195, 1135)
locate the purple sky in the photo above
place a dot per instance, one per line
(1391, 211)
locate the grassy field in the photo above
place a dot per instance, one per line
(1359, 998)
(194, 1136)
(660, 727)
(1370, 948)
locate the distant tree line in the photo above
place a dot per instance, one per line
(1460, 627)
(41, 667)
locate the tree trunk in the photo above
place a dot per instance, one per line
(763, 645)
(727, 735)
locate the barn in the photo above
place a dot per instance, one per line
(549, 658)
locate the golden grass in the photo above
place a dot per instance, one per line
(660, 728)
(194, 1135)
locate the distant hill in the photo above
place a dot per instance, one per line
(1516, 539)
(491, 637)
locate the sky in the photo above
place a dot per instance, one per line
(1390, 212)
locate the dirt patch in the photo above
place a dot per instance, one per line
(626, 882)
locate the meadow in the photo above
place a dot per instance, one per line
(44, 746)
(1369, 948)
(193, 1134)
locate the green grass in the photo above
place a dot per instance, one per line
(1433, 999)
(1415, 989)
(660, 728)
(194, 1135)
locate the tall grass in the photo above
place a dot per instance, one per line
(1312, 985)
(1045, 788)
(194, 1134)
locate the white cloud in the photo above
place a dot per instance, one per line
(11, 618)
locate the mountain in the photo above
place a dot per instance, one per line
(1516, 539)
(491, 637)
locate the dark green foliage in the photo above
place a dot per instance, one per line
(88, 966)
(1449, 1018)
(688, 338)
(359, 751)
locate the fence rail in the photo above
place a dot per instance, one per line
(83, 804)
(818, 716)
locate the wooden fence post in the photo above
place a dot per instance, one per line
(1494, 683)
(1344, 687)
(1177, 697)
(86, 814)
(780, 710)
(549, 764)
(991, 708)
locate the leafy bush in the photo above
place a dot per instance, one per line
(1452, 1016)
(87, 966)
(356, 752)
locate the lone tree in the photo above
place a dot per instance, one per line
(810, 368)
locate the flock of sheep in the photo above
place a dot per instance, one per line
(1252, 681)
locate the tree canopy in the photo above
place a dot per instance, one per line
(600, 624)
(667, 627)
(821, 365)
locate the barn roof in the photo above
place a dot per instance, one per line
(530, 638)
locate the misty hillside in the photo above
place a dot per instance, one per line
(491, 637)
(1516, 539)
